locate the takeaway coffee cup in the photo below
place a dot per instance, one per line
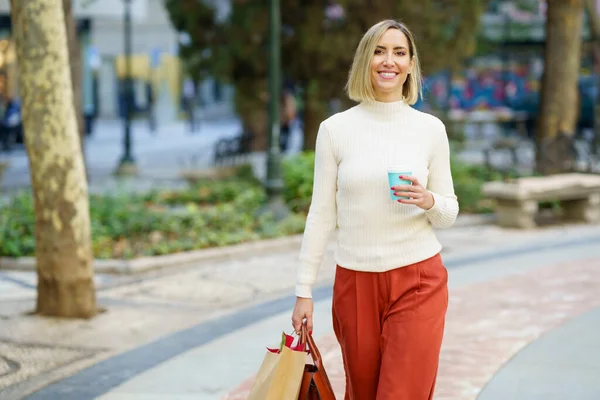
(394, 175)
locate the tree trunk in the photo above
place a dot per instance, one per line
(62, 220)
(559, 98)
(314, 114)
(594, 23)
(251, 105)
(75, 63)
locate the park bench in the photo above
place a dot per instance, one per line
(228, 155)
(518, 200)
(232, 151)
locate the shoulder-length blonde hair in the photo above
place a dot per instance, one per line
(359, 86)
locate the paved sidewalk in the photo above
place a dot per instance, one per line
(159, 155)
(562, 364)
(199, 331)
(489, 323)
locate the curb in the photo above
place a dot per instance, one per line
(143, 264)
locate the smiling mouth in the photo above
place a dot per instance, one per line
(388, 75)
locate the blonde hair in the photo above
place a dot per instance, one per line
(359, 87)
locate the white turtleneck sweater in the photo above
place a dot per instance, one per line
(354, 150)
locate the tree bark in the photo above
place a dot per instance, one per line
(75, 64)
(251, 105)
(594, 22)
(559, 97)
(62, 220)
(314, 114)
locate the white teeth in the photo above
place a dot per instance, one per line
(387, 74)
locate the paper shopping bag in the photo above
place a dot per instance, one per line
(264, 377)
(280, 374)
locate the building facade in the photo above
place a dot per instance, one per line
(156, 71)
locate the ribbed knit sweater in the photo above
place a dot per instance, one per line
(354, 150)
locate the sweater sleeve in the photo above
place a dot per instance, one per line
(322, 214)
(445, 207)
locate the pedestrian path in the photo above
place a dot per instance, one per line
(158, 155)
(562, 364)
(498, 306)
(489, 323)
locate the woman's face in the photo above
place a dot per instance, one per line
(390, 65)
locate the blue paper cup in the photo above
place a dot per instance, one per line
(394, 180)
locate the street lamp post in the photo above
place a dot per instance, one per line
(127, 164)
(274, 182)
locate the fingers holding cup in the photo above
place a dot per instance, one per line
(396, 181)
(412, 179)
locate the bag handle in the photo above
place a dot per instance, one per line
(307, 338)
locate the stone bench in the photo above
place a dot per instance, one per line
(518, 200)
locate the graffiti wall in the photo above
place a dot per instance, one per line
(486, 84)
(510, 76)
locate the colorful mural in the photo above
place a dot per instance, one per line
(491, 88)
(510, 77)
(485, 85)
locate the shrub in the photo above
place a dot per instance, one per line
(16, 225)
(468, 179)
(204, 192)
(298, 175)
(126, 226)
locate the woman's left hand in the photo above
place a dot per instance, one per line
(416, 193)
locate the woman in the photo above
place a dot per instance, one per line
(390, 292)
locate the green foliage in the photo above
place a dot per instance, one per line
(211, 213)
(198, 20)
(204, 192)
(468, 179)
(16, 227)
(124, 226)
(317, 50)
(298, 178)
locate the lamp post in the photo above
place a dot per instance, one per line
(127, 164)
(274, 181)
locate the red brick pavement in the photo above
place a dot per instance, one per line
(488, 323)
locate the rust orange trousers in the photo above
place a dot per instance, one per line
(390, 327)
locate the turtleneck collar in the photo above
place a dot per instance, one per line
(385, 108)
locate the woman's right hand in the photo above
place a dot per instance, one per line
(303, 310)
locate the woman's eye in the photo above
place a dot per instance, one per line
(401, 53)
(378, 51)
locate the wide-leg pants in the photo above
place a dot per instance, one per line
(390, 327)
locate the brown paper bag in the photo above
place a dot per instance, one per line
(279, 376)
